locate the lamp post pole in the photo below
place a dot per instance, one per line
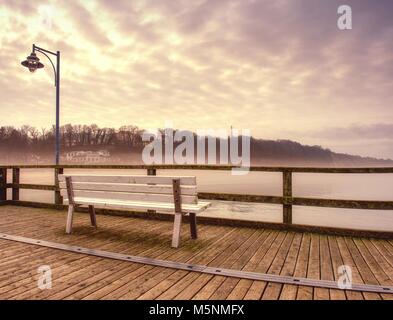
(58, 109)
(33, 63)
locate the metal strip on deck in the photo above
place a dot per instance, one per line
(199, 268)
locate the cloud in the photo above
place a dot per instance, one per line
(85, 23)
(279, 68)
(358, 132)
(375, 140)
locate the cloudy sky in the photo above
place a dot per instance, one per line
(280, 68)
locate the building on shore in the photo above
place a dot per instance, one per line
(87, 156)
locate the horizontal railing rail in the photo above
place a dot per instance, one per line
(287, 200)
(210, 167)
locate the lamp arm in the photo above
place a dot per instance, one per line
(43, 50)
(54, 69)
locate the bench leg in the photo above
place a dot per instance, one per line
(92, 213)
(69, 219)
(193, 226)
(176, 230)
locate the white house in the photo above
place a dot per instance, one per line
(88, 156)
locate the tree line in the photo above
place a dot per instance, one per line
(30, 138)
(28, 141)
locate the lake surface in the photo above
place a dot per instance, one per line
(333, 186)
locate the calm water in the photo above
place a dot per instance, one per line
(334, 186)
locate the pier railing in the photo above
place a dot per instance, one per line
(287, 200)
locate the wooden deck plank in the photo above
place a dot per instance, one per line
(115, 276)
(314, 268)
(376, 268)
(119, 285)
(200, 281)
(20, 279)
(203, 280)
(337, 261)
(32, 249)
(122, 244)
(83, 278)
(153, 277)
(195, 286)
(60, 272)
(27, 288)
(288, 292)
(82, 234)
(176, 288)
(179, 278)
(243, 285)
(386, 252)
(79, 276)
(256, 289)
(208, 290)
(87, 238)
(229, 284)
(301, 270)
(380, 260)
(21, 269)
(273, 290)
(352, 261)
(362, 265)
(327, 267)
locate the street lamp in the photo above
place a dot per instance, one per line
(33, 63)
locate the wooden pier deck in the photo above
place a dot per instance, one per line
(80, 276)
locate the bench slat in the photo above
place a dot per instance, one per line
(142, 206)
(138, 179)
(135, 188)
(149, 197)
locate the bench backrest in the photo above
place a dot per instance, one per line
(138, 188)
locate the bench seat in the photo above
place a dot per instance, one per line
(140, 205)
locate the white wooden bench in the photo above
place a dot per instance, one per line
(139, 193)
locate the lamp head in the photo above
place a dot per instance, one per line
(32, 62)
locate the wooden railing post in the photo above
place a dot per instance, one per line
(15, 181)
(287, 195)
(151, 172)
(178, 213)
(58, 197)
(3, 184)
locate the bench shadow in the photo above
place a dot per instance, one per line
(147, 239)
